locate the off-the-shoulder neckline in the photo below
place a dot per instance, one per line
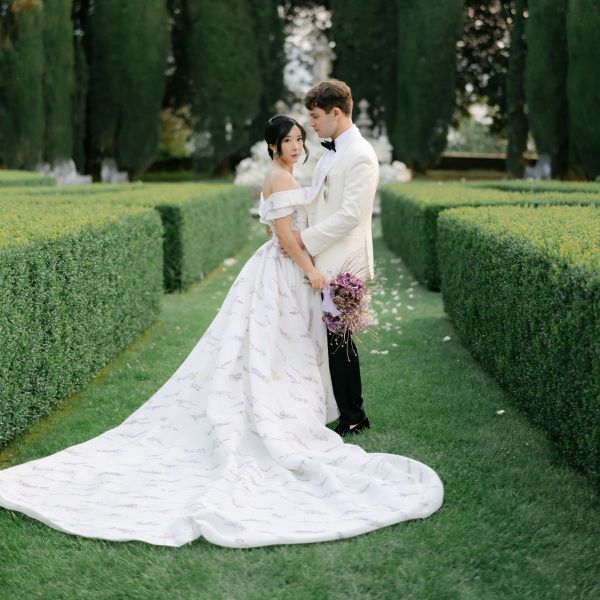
(280, 192)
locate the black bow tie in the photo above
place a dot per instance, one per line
(329, 145)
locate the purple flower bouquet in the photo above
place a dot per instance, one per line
(346, 305)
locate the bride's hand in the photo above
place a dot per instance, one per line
(317, 279)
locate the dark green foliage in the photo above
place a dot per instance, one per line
(482, 59)
(365, 49)
(224, 70)
(78, 284)
(426, 69)
(178, 89)
(59, 81)
(546, 80)
(21, 69)
(409, 229)
(517, 127)
(583, 27)
(269, 36)
(409, 214)
(79, 102)
(128, 44)
(200, 230)
(525, 299)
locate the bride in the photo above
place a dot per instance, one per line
(234, 447)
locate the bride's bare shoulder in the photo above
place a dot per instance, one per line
(278, 180)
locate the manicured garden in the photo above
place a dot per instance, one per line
(519, 270)
(518, 521)
(83, 270)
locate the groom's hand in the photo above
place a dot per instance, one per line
(298, 239)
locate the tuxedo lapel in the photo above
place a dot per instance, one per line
(316, 171)
(323, 175)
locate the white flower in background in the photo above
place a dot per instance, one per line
(500, 412)
(446, 339)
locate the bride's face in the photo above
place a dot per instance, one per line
(291, 146)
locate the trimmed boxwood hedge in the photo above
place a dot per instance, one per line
(202, 223)
(409, 214)
(78, 282)
(526, 185)
(522, 287)
(23, 178)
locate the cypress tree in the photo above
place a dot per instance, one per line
(426, 69)
(365, 48)
(546, 79)
(221, 54)
(21, 99)
(482, 60)
(128, 45)
(79, 103)
(517, 128)
(58, 80)
(80, 13)
(268, 32)
(178, 87)
(583, 84)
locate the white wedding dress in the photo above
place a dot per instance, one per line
(233, 447)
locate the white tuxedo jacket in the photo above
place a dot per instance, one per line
(339, 217)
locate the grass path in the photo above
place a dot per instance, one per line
(516, 522)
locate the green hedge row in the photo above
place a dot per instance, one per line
(10, 178)
(202, 223)
(409, 216)
(536, 186)
(78, 282)
(522, 287)
(81, 273)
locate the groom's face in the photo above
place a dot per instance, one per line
(324, 124)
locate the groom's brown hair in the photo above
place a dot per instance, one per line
(328, 94)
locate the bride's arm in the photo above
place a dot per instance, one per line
(283, 230)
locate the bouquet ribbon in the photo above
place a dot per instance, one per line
(328, 304)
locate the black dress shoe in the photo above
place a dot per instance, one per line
(342, 429)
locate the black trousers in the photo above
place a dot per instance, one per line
(345, 377)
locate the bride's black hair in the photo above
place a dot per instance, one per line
(276, 130)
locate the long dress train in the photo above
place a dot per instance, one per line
(233, 447)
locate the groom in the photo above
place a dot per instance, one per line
(339, 225)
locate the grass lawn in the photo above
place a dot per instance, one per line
(517, 522)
